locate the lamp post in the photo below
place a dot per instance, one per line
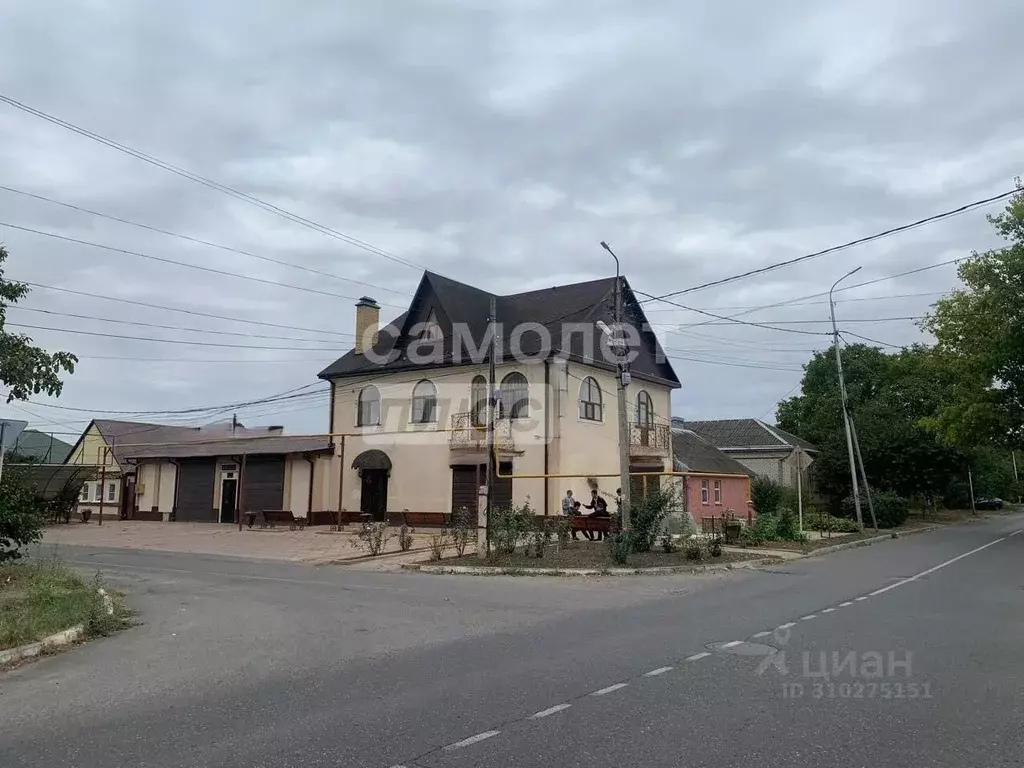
(623, 381)
(842, 394)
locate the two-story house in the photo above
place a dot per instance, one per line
(411, 399)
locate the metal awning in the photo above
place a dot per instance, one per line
(51, 480)
(372, 459)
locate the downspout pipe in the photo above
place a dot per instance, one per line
(312, 473)
(177, 486)
(547, 433)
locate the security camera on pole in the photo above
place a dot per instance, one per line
(620, 349)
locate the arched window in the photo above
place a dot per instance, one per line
(369, 407)
(515, 396)
(424, 403)
(644, 410)
(478, 400)
(590, 400)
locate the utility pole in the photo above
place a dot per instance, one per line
(491, 407)
(1016, 477)
(970, 487)
(799, 490)
(3, 446)
(863, 474)
(622, 368)
(842, 393)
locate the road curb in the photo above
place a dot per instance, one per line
(366, 558)
(493, 570)
(57, 640)
(868, 542)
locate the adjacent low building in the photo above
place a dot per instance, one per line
(719, 483)
(762, 448)
(203, 474)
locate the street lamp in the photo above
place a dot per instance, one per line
(842, 394)
(618, 346)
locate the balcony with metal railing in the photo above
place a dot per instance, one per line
(469, 434)
(650, 440)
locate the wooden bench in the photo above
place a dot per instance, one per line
(274, 517)
(420, 519)
(591, 524)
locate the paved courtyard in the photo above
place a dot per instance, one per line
(316, 545)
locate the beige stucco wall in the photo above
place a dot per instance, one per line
(297, 480)
(421, 458)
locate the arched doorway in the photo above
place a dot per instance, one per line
(374, 468)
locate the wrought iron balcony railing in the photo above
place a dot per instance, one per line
(467, 433)
(650, 440)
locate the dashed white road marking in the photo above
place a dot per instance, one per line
(886, 589)
(609, 689)
(761, 634)
(658, 671)
(808, 617)
(847, 603)
(549, 711)
(827, 610)
(696, 656)
(1016, 532)
(787, 626)
(733, 644)
(471, 740)
(862, 597)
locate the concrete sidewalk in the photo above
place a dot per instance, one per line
(313, 545)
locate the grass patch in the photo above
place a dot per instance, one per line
(586, 555)
(40, 597)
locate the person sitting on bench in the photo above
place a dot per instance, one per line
(600, 507)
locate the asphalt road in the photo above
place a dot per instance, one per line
(254, 664)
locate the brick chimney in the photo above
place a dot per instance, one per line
(367, 324)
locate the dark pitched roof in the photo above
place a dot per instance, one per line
(230, 446)
(41, 447)
(695, 454)
(455, 303)
(136, 439)
(744, 433)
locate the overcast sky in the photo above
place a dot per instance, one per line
(497, 143)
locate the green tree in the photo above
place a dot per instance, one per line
(891, 397)
(980, 328)
(26, 369)
(21, 516)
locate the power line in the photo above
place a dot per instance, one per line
(733, 320)
(161, 341)
(844, 246)
(175, 262)
(789, 302)
(171, 327)
(194, 312)
(816, 303)
(872, 341)
(210, 183)
(812, 322)
(200, 241)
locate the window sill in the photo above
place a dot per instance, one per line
(596, 422)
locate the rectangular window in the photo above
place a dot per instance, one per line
(111, 491)
(704, 492)
(718, 492)
(97, 492)
(84, 495)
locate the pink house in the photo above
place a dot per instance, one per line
(720, 483)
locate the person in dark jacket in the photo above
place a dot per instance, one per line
(600, 507)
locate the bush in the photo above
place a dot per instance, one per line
(621, 547)
(510, 525)
(787, 526)
(21, 516)
(817, 520)
(891, 510)
(668, 543)
(763, 529)
(373, 537)
(438, 542)
(766, 495)
(693, 549)
(647, 517)
(461, 530)
(715, 546)
(405, 538)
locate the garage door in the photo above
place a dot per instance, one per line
(466, 480)
(263, 483)
(195, 490)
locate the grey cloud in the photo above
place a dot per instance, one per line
(498, 143)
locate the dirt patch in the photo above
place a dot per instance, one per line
(588, 555)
